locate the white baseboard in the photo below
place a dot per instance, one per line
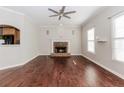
(71, 54)
(114, 72)
(44, 54)
(3, 68)
(76, 54)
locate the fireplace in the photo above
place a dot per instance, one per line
(60, 49)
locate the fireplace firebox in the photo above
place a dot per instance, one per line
(60, 50)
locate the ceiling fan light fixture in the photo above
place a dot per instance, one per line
(61, 13)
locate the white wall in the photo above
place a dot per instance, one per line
(19, 54)
(103, 55)
(60, 33)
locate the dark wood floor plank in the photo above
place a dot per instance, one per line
(45, 71)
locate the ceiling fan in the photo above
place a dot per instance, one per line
(61, 13)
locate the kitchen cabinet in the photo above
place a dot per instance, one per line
(9, 31)
(11, 35)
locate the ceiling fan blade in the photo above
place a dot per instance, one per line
(52, 10)
(60, 17)
(63, 8)
(70, 12)
(67, 16)
(53, 15)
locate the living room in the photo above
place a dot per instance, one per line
(61, 46)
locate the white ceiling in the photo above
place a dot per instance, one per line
(40, 14)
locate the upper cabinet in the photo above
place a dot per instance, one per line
(9, 31)
(9, 35)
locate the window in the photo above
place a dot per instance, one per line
(91, 40)
(118, 38)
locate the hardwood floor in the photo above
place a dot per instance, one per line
(45, 71)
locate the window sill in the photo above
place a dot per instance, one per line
(93, 53)
(115, 60)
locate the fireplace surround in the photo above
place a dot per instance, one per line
(60, 49)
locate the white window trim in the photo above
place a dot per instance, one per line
(113, 38)
(91, 40)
